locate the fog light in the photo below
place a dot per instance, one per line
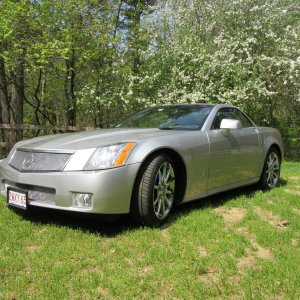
(82, 200)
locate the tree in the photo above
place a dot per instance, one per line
(238, 52)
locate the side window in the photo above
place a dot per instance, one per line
(230, 113)
(238, 115)
(223, 113)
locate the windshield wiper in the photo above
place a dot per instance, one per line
(169, 127)
(178, 127)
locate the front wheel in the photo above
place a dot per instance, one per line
(154, 191)
(271, 171)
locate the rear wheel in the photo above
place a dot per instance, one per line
(271, 171)
(154, 191)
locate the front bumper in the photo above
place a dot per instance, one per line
(111, 189)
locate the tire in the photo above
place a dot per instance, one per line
(271, 171)
(154, 191)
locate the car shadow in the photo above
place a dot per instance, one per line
(217, 200)
(104, 225)
(111, 226)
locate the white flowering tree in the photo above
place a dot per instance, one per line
(242, 52)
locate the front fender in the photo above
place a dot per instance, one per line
(271, 136)
(191, 146)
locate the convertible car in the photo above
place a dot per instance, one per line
(157, 158)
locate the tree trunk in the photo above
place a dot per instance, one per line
(4, 107)
(70, 90)
(17, 98)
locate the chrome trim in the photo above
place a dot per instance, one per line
(55, 151)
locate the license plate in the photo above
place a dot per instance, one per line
(17, 198)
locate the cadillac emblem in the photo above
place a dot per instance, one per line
(28, 161)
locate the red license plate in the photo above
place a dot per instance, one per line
(17, 198)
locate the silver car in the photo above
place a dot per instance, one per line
(157, 158)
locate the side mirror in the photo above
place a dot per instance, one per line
(228, 124)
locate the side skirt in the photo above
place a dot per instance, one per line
(223, 189)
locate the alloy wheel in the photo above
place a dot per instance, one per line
(163, 191)
(272, 170)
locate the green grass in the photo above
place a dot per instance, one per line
(242, 245)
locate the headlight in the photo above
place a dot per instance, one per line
(109, 157)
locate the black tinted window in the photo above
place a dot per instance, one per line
(230, 113)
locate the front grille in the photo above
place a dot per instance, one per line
(41, 196)
(35, 193)
(26, 161)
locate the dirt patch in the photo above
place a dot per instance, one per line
(165, 233)
(294, 178)
(235, 280)
(294, 242)
(32, 288)
(129, 261)
(209, 276)
(164, 291)
(245, 262)
(297, 193)
(202, 251)
(232, 215)
(262, 252)
(11, 296)
(270, 200)
(145, 270)
(91, 269)
(103, 293)
(252, 254)
(273, 220)
(283, 223)
(32, 248)
(258, 251)
(245, 232)
(296, 210)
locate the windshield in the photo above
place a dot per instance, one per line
(188, 117)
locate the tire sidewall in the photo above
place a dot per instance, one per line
(145, 200)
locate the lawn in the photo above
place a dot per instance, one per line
(238, 245)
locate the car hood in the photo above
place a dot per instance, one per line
(91, 139)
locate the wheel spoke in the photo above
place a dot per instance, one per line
(273, 179)
(164, 173)
(160, 176)
(159, 205)
(163, 206)
(168, 202)
(163, 190)
(268, 178)
(167, 176)
(156, 200)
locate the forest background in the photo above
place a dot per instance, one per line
(91, 62)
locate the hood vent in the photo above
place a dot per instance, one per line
(27, 161)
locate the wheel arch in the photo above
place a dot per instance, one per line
(180, 166)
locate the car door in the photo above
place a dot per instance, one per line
(234, 157)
